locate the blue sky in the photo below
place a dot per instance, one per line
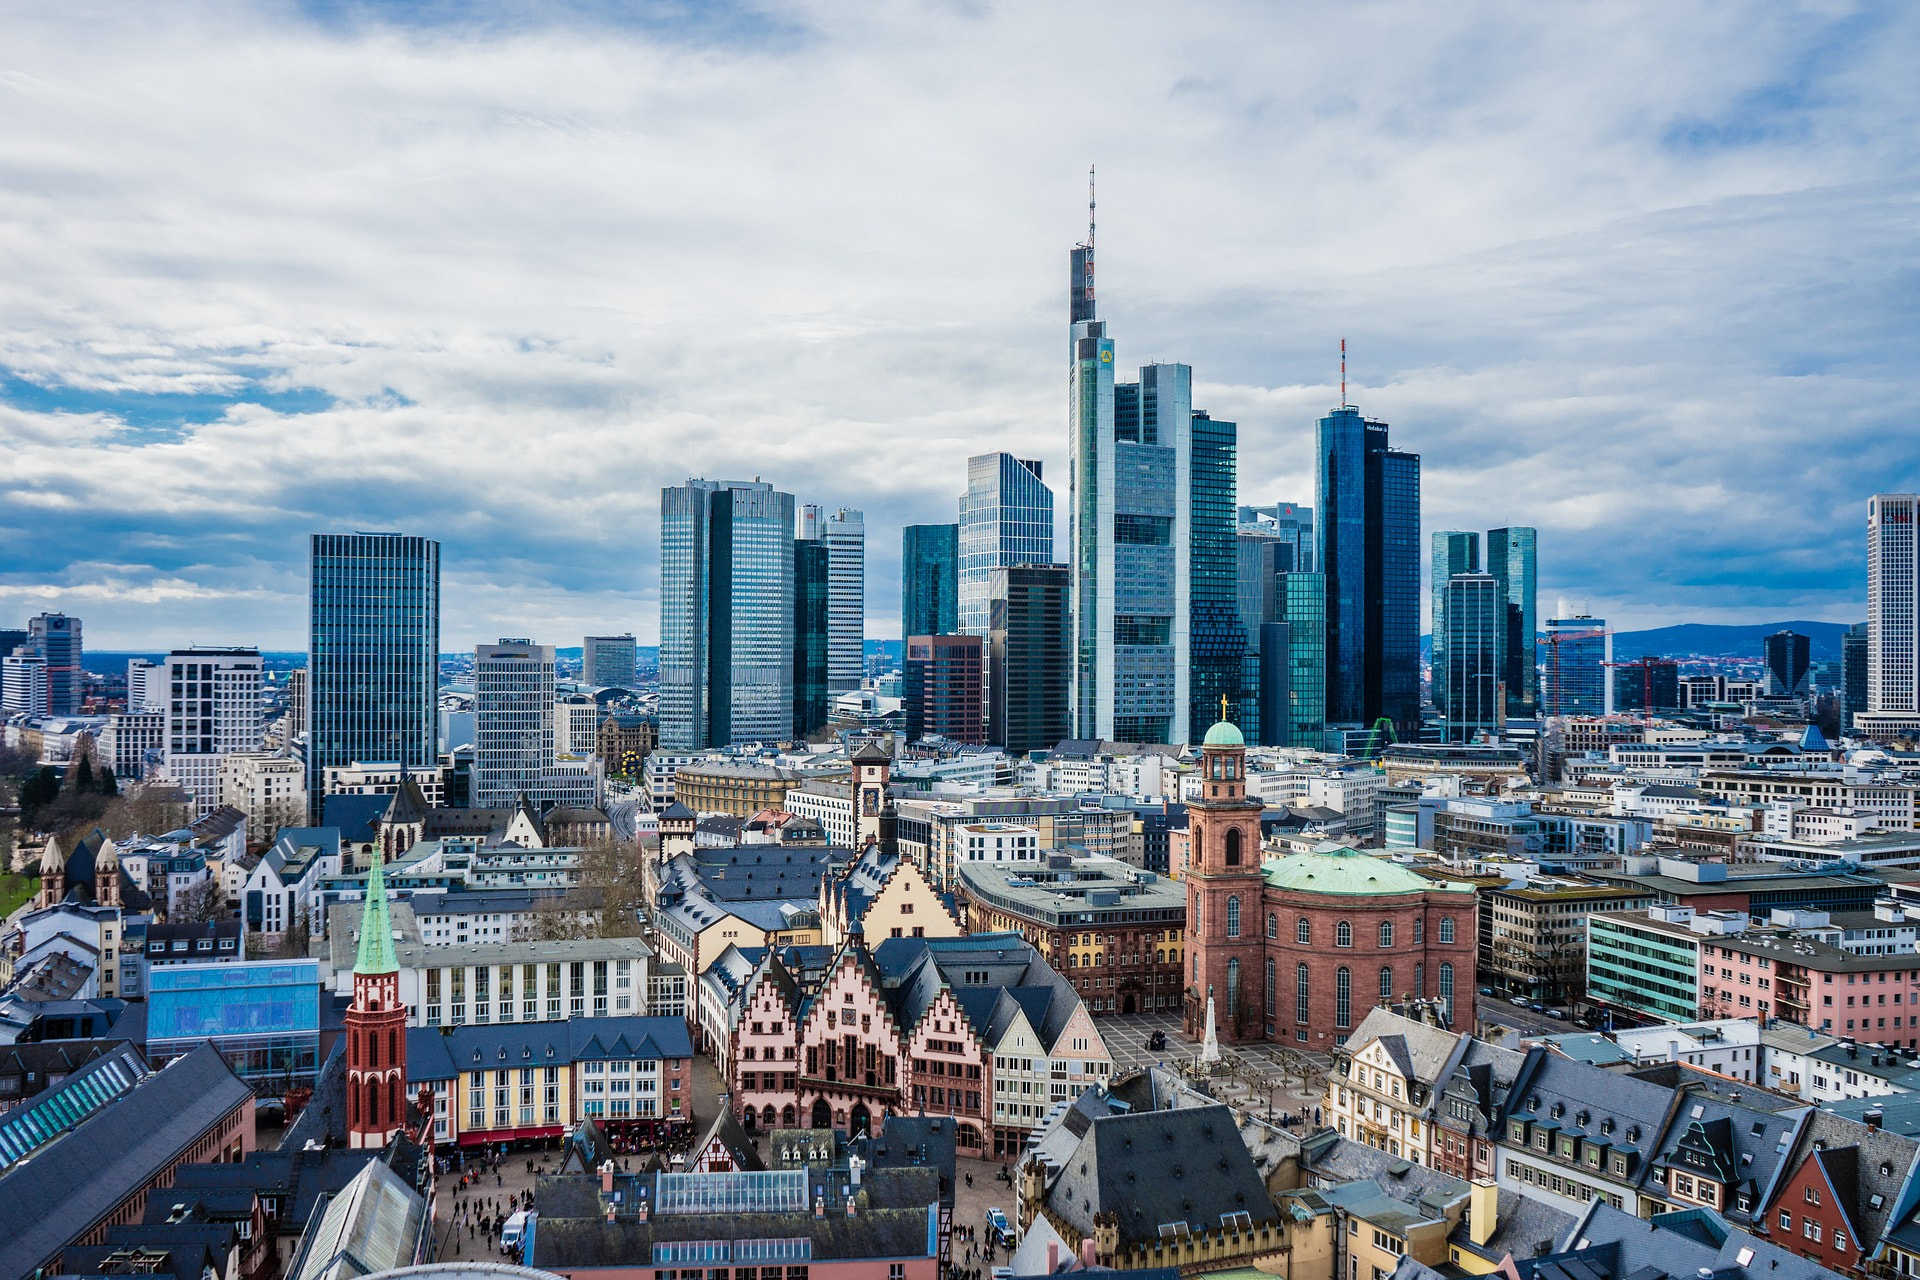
(1642, 275)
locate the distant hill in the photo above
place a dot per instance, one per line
(1710, 641)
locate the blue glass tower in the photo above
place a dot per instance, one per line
(1368, 499)
(929, 580)
(1512, 559)
(1006, 518)
(1454, 553)
(810, 696)
(1217, 637)
(373, 652)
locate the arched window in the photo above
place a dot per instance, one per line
(1160, 956)
(1233, 916)
(393, 1047)
(1386, 933)
(1446, 929)
(1196, 971)
(1233, 987)
(1273, 993)
(1302, 988)
(1073, 961)
(373, 1101)
(1343, 997)
(1386, 982)
(1303, 931)
(1343, 934)
(1273, 925)
(768, 1116)
(1193, 854)
(1446, 988)
(1419, 931)
(1233, 846)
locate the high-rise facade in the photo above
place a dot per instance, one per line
(1029, 657)
(929, 580)
(1217, 641)
(1893, 616)
(1454, 552)
(811, 701)
(213, 707)
(1513, 560)
(1853, 674)
(513, 716)
(373, 657)
(1006, 518)
(1367, 499)
(1259, 555)
(609, 662)
(1578, 650)
(1789, 661)
(54, 639)
(1303, 603)
(845, 533)
(144, 685)
(944, 689)
(1475, 614)
(1292, 524)
(726, 614)
(23, 686)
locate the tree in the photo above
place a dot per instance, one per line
(202, 904)
(109, 785)
(610, 878)
(83, 774)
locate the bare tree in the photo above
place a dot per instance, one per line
(202, 904)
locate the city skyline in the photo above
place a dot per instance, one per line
(1599, 316)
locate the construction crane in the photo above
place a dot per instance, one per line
(1645, 666)
(1553, 642)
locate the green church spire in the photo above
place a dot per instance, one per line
(376, 926)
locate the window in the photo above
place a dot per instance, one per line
(1303, 931)
(1273, 925)
(1302, 986)
(1273, 993)
(1233, 987)
(1233, 916)
(1386, 982)
(1343, 934)
(1446, 988)
(1386, 933)
(1233, 846)
(1343, 997)
(1446, 929)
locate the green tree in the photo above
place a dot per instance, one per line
(83, 774)
(109, 785)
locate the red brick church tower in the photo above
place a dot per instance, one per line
(1225, 948)
(376, 1026)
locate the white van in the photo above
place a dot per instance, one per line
(513, 1233)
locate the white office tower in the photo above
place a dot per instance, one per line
(145, 685)
(512, 721)
(845, 533)
(213, 709)
(23, 685)
(1893, 626)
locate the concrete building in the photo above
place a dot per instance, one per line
(609, 661)
(1893, 617)
(845, 535)
(213, 709)
(271, 790)
(513, 720)
(1534, 936)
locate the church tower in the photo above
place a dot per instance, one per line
(376, 1026)
(872, 765)
(53, 874)
(1226, 947)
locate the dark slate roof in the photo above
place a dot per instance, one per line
(1871, 1198)
(72, 1183)
(48, 1061)
(435, 1053)
(295, 1176)
(1522, 1226)
(1631, 1113)
(726, 1131)
(1610, 1244)
(677, 812)
(1160, 1167)
(357, 816)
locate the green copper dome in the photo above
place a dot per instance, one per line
(1224, 735)
(1337, 869)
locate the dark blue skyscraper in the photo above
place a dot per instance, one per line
(809, 636)
(1217, 639)
(1368, 500)
(373, 652)
(929, 580)
(1512, 559)
(1454, 553)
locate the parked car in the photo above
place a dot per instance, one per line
(1518, 1002)
(1557, 1013)
(1536, 1006)
(997, 1224)
(1486, 991)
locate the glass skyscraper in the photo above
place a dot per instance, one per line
(1217, 640)
(54, 639)
(1368, 501)
(929, 580)
(1029, 663)
(1476, 622)
(810, 700)
(1006, 518)
(1789, 658)
(845, 533)
(1578, 650)
(726, 614)
(1303, 603)
(1454, 552)
(1512, 559)
(373, 653)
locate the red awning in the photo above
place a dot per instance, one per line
(481, 1137)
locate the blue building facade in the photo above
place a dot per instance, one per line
(263, 1016)
(1513, 560)
(1578, 649)
(930, 580)
(1454, 552)
(1006, 518)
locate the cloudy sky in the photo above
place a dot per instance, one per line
(1642, 275)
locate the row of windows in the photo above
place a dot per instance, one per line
(1342, 932)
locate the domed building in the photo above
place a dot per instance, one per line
(1297, 949)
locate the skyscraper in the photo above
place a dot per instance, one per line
(1476, 623)
(929, 580)
(1006, 517)
(1577, 650)
(726, 614)
(54, 638)
(1292, 524)
(609, 661)
(1029, 661)
(810, 700)
(1454, 552)
(144, 680)
(213, 707)
(513, 718)
(1367, 496)
(943, 688)
(1259, 556)
(1512, 559)
(1303, 603)
(1217, 641)
(1853, 674)
(1893, 617)
(373, 657)
(1789, 657)
(845, 533)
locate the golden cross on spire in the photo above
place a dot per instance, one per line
(1223, 706)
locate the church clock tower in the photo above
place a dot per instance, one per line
(1225, 940)
(872, 765)
(376, 1026)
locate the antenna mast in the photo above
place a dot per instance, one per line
(1090, 233)
(1343, 373)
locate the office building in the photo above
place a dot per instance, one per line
(609, 662)
(1578, 650)
(1006, 518)
(513, 715)
(23, 685)
(1292, 524)
(929, 580)
(1029, 650)
(54, 638)
(1303, 600)
(1646, 684)
(145, 686)
(810, 698)
(1893, 623)
(945, 692)
(1368, 501)
(1217, 640)
(1512, 558)
(1261, 559)
(373, 662)
(1454, 552)
(845, 535)
(213, 709)
(1853, 674)
(1475, 618)
(1789, 659)
(11, 638)
(726, 613)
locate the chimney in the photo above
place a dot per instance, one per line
(1053, 1256)
(1483, 1210)
(1086, 1251)
(850, 1209)
(606, 1178)
(1874, 1118)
